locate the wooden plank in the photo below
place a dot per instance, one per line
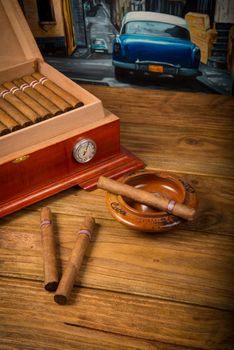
(200, 20)
(166, 265)
(167, 108)
(198, 152)
(197, 128)
(116, 313)
(24, 336)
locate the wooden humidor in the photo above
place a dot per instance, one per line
(37, 161)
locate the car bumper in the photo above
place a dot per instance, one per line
(164, 68)
(99, 49)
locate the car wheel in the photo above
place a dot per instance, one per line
(186, 80)
(120, 73)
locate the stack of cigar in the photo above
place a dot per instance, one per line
(31, 99)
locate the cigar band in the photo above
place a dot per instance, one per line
(4, 93)
(43, 80)
(45, 222)
(14, 89)
(85, 232)
(24, 86)
(34, 83)
(170, 206)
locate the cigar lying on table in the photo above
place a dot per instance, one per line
(147, 198)
(27, 89)
(48, 248)
(68, 278)
(58, 90)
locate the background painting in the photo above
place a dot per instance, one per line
(66, 32)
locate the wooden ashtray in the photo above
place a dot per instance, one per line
(142, 217)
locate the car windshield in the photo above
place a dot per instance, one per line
(155, 28)
(99, 41)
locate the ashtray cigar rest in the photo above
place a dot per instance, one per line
(142, 217)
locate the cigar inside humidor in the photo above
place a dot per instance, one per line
(35, 95)
(20, 119)
(41, 112)
(31, 99)
(43, 90)
(74, 102)
(3, 129)
(6, 120)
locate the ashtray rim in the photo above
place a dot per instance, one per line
(149, 221)
(163, 175)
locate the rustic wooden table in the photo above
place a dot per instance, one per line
(167, 291)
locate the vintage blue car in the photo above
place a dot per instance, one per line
(155, 43)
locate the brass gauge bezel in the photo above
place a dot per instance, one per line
(88, 152)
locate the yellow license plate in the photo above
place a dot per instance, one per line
(155, 69)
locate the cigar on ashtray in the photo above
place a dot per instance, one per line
(49, 250)
(68, 278)
(147, 198)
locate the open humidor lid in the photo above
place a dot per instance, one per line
(17, 42)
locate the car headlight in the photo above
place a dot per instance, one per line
(117, 48)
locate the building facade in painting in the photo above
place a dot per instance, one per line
(57, 25)
(118, 9)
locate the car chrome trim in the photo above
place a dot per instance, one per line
(187, 72)
(164, 64)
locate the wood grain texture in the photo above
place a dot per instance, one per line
(142, 318)
(197, 151)
(166, 108)
(161, 265)
(197, 128)
(163, 291)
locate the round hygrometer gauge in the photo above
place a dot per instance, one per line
(84, 150)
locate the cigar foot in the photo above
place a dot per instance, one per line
(67, 109)
(51, 286)
(79, 104)
(60, 299)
